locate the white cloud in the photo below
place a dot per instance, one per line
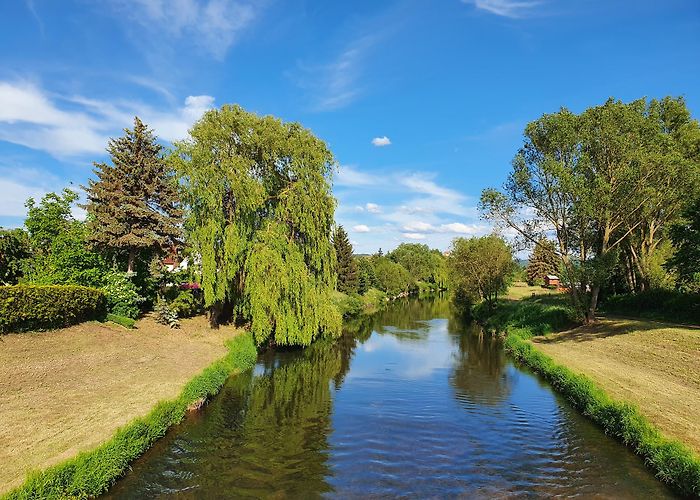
(419, 226)
(13, 195)
(360, 228)
(350, 176)
(214, 25)
(506, 8)
(69, 126)
(373, 208)
(334, 85)
(459, 228)
(381, 141)
(414, 236)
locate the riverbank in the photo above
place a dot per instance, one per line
(64, 393)
(653, 365)
(599, 367)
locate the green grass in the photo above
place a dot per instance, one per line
(91, 473)
(671, 461)
(121, 320)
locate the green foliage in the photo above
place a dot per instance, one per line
(91, 473)
(606, 182)
(166, 315)
(392, 278)
(366, 276)
(672, 462)
(123, 298)
(186, 304)
(134, 204)
(543, 261)
(480, 268)
(354, 305)
(14, 250)
(686, 238)
(260, 216)
(422, 263)
(35, 307)
(121, 320)
(50, 218)
(345, 262)
(661, 304)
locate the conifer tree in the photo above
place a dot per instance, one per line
(543, 261)
(134, 206)
(346, 265)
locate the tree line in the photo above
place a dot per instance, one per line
(246, 199)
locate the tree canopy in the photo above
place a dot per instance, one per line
(480, 268)
(347, 267)
(260, 214)
(602, 184)
(134, 204)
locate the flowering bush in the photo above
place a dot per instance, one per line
(123, 297)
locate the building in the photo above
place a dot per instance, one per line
(551, 281)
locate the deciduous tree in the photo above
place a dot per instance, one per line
(260, 217)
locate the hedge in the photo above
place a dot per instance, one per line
(659, 304)
(91, 473)
(671, 461)
(41, 307)
(121, 320)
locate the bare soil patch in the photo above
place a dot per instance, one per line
(68, 390)
(652, 364)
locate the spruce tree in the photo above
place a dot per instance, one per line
(134, 206)
(543, 261)
(345, 263)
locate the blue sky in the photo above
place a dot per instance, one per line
(423, 103)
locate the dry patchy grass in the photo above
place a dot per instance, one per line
(521, 290)
(651, 364)
(68, 390)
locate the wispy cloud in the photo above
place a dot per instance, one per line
(361, 228)
(381, 141)
(213, 25)
(414, 236)
(70, 126)
(335, 84)
(506, 8)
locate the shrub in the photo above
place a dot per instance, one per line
(165, 315)
(123, 298)
(121, 320)
(186, 304)
(670, 305)
(40, 307)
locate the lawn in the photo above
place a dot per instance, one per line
(652, 364)
(68, 390)
(521, 290)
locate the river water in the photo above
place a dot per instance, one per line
(412, 403)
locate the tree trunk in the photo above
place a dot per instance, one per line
(214, 313)
(590, 313)
(131, 261)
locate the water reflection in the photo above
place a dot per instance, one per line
(410, 402)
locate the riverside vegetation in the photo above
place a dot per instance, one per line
(608, 199)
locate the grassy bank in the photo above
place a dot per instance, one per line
(92, 472)
(671, 461)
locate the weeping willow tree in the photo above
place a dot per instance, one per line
(260, 216)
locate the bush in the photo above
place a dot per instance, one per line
(662, 304)
(123, 298)
(121, 320)
(165, 315)
(186, 304)
(40, 307)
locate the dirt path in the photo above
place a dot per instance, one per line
(68, 390)
(652, 364)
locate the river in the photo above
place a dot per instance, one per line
(412, 403)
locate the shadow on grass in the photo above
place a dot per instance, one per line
(599, 330)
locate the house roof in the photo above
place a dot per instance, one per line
(552, 277)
